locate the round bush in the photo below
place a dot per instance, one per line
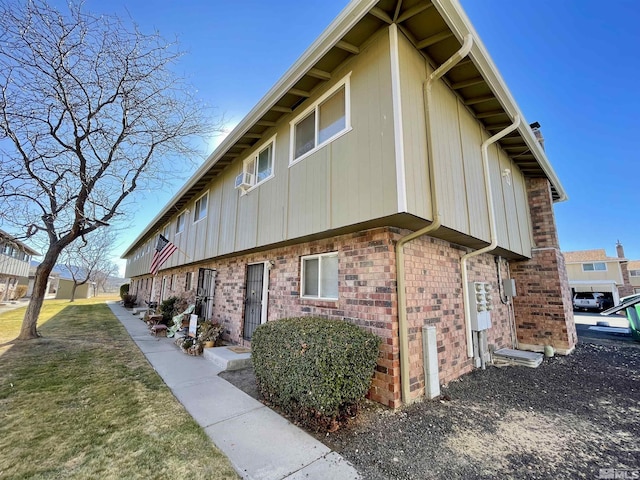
(314, 365)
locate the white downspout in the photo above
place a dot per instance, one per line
(435, 224)
(492, 229)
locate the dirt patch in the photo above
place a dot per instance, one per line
(569, 418)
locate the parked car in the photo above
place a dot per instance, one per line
(589, 301)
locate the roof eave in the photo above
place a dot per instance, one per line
(349, 16)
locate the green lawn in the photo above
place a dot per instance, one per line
(82, 402)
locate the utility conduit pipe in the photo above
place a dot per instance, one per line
(492, 229)
(435, 224)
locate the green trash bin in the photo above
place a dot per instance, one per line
(631, 307)
(633, 315)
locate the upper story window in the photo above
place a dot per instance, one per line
(634, 273)
(321, 123)
(258, 167)
(165, 231)
(594, 267)
(319, 274)
(200, 210)
(180, 222)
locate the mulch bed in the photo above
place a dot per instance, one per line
(573, 417)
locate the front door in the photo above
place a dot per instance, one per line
(255, 300)
(205, 293)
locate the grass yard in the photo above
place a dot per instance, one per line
(82, 402)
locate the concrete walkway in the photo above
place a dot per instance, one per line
(260, 444)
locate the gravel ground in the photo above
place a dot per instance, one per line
(569, 418)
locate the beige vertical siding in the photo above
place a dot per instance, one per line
(457, 140)
(471, 135)
(13, 267)
(522, 207)
(309, 194)
(350, 180)
(413, 73)
(226, 229)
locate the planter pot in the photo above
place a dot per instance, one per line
(209, 344)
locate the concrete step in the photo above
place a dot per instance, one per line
(229, 357)
(509, 356)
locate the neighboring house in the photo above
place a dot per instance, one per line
(15, 259)
(52, 283)
(594, 271)
(634, 275)
(368, 185)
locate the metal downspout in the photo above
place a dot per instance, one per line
(435, 224)
(492, 229)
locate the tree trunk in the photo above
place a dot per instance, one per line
(73, 292)
(29, 323)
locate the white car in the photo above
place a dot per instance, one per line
(588, 301)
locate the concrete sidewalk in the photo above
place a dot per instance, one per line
(260, 444)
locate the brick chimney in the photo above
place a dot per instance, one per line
(626, 288)
(535, 126)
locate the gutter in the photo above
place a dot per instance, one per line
(492, 229)
(403, 332)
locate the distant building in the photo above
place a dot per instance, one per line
(634, 274)
(594, 271)
(15, 258)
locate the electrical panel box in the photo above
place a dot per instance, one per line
(509, 287)
(481, 304)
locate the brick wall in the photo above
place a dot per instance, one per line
(434, 297)
(367, 297)
(626, 288)
(543, 307)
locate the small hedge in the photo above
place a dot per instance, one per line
(124, 290)
(313, 368)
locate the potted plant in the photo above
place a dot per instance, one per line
(209, 333)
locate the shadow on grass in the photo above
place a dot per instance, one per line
(82, 402)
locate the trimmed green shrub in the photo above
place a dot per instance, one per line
(313, 367)
(124, 290)
(129, 300)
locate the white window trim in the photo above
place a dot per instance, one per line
(302, 277)
(194, 206)
(346, 82)
(254, 156)
(634, 273)
(594, 267)
(184, 221)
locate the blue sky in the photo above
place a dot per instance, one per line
(569, 64)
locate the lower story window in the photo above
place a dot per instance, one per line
(320, 276)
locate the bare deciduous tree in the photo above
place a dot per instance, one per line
(87, 258)
(90, 110)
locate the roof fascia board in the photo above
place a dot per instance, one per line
(460, 25)
(345, 21)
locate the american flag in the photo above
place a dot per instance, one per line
(164, 249)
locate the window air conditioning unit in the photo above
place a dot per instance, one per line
(244, 180)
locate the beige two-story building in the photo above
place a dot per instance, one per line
(388, 179)
(15, 258)
(595, 271)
